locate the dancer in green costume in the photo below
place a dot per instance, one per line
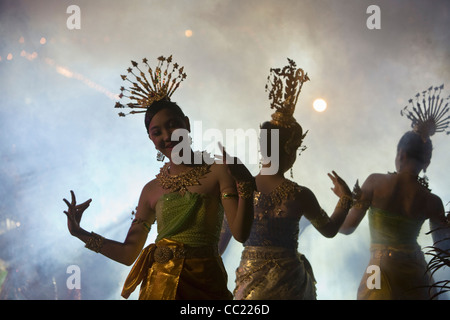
(398, 204)
(187, 200)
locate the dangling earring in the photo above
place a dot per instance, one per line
(160, 156)
(424, 180)
(292, 173)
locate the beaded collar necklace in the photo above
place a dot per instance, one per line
(276, 196)
(181, 181)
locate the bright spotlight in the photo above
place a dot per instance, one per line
(320, 105)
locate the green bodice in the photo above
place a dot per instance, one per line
(191, 218)
(392, 229)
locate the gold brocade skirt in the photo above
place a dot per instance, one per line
(396, 273)
(168, 270)
(274, 273)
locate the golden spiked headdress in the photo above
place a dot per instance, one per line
(159, 84)
(428, 113)
(284, 86)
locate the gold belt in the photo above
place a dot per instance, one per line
(267, 253)
(378, 251)
(164, 254)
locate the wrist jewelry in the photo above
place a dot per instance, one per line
(345, 202)
(95, 242)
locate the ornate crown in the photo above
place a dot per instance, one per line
(284, 86)
(142, 92)
(428, 116)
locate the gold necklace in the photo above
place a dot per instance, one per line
(276, 196)
(181, 181)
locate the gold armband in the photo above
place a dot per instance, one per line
(95, 242)
(320, 221)
(245, 189)
(226, 195)
(361, 204)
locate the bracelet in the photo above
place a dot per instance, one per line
(245, 189)
(226, 195)
(142, 222)
(345, 202)
(95, 242)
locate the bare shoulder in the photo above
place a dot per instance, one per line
(150, 194)
(436, 212)
(302, 192)
(374, 180)
(375, 177)
(305, 197)
(151, 185)
(435, 204)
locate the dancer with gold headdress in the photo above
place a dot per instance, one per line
(398, 204)
(271, 267)
(187, 199)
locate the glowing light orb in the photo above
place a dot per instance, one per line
(320, 105)
(188, 33)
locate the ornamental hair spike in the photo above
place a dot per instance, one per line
(142, 92)
(428, 116)
(284, 86)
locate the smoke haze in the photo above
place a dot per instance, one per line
(60, 132)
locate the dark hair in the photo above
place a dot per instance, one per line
(289, 138)
(157, 106)
(415, 147)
